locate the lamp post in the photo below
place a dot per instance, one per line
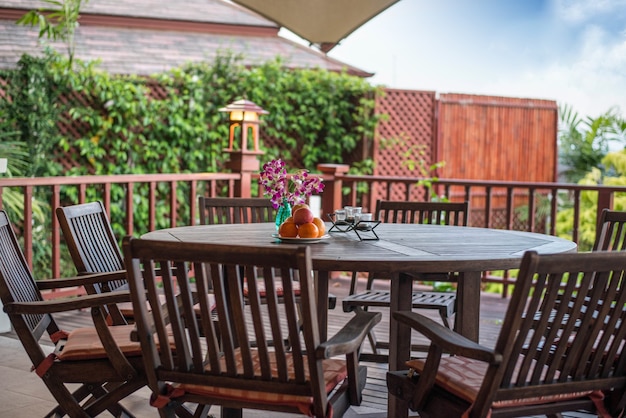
(244, 126)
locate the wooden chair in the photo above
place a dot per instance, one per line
(610, 236)
(243, 371)
(94, 249)
(102, 360)
(611, 232)
(443, 213)
(238, 210)
(235, 210)
(543, 362)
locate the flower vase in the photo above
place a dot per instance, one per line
(284, 211)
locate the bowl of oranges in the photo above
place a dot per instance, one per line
(302, 226)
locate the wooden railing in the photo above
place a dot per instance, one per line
(211, 184)
(493, 204)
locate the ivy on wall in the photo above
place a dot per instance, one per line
(171, 121)
(93, 122)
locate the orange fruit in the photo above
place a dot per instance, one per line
(308, 230)
(299, 206)
(302, 216)
(321, 228)
(288, 230)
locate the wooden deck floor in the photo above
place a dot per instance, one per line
(23, 395)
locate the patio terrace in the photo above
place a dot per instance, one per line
(23, 395)
(493, 204)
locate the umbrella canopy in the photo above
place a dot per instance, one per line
(321, 22)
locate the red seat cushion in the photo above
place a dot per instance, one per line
(278, 286)
(84, 343)
(335, 372)
(463, 377)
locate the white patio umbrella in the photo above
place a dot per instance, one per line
(321, 22)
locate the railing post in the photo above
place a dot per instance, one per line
(332, 196)
(605, 201)
(244, 163)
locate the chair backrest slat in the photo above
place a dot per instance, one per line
(244, 328)
(242, 352)
(438, 213)
(205, 304)
(94, 248)
(17, 284)
(611, 234)
(90, 238)
(578, 344)
(235, 210)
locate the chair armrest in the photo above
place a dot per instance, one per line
(67, 304)
(351, 336)
(80, 280)
(447, 339)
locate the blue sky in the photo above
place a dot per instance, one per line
(571, 51)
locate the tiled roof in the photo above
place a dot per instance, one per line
(216, 11)
(130, 49)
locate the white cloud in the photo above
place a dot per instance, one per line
(573, 52)
(576, 11)
(592, 82)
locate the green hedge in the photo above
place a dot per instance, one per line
(170, 122)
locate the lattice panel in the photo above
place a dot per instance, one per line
(408, 134)
(291, 156)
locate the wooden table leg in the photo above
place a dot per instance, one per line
(321, 284)
(467, 318)
(399, 335)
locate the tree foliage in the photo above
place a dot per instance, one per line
(583, 142)
(615, 162)
(57, 23)
(170, 123)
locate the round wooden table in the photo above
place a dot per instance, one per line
(401, 249)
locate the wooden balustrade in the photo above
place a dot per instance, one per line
(493, 204)
(211, 184)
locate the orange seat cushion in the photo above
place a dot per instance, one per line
(126, 308)
(335, 371)
(463, 377)
(278, 287)
(84, 343)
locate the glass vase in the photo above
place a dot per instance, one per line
(283, 212)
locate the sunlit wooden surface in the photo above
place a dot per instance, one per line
(22, 395)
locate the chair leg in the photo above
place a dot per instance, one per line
(68, 402)
(184, 411)
(444, 320)
(371, 337)
(231, 413)
(354, 391)
(353, 282)
(108, 400)
(370, 281)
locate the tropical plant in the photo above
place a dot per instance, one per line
(615, 162)
(17, 162)
(56, 23)
(583, 142)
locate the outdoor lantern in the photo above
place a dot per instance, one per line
(244, 118)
